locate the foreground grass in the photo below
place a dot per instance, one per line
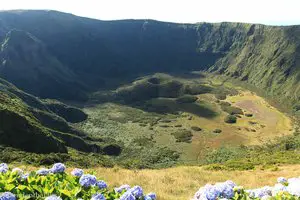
(182, 182)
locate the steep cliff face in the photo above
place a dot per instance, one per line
(32, 125)
(79, 54)
(26, 62)
(268, 59)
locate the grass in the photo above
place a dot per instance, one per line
(183, 135)
(182, 182)
(128, 124)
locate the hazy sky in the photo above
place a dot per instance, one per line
(279, 12)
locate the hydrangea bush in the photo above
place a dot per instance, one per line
(56, 184)
(284, 189)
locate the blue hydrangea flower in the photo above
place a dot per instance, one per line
(150, 196)
(24, 176)
(293, 187)
(291, 180)
(43, 171)
(208, 192)
(211, 192)
(127, 196)
(147, 198)
(260, 192)
(136, 191)
(101, 184)
(53, 197)
(98, 196)
(278, 188)
(58, 168)
(18, 171)
(7, 196)
(77, 172)
(230, 183)
(122, 188)
(282, 180)
(3, 168)
(87, 180)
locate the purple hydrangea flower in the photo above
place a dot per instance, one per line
(77, 172)
(53, 197)
(278, 188)
(101, 184)
(87, 180)
(7, 196)
(151, 196)
(3, 168)
(43, 171)
(127, 196)
(136, 191)
(282, 180)
(122, 188)
(58, 168)
(98, 196)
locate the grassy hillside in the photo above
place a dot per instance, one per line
(99, 51)
(189, 119)
(137, 116)
(182, 182)
(25, 120)
(267, 59)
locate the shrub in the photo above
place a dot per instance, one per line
(194, 89)
(186, 99)
(217, 131)
(231, 119)
(196, 128)
(249, 115)
(183, 135)
(226, 107)
(220, 96)
(55, 183)
(283, 189)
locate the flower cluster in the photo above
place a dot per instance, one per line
(283, 189)
(219, 190)
(56, 184)
(3, 168)
(7, 196)
(133, 193)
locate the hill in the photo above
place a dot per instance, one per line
(144, 86)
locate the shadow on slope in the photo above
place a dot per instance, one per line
(161, 93)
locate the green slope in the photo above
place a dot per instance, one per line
(93, 51)
(35, 126)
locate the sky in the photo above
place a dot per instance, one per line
(271, 12)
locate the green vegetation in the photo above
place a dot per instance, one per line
(196, 128)
(183, 135)
(217, 130)
(186, 99)
(134, 116)
(231, 110)
(231, 119)
(30, 121)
